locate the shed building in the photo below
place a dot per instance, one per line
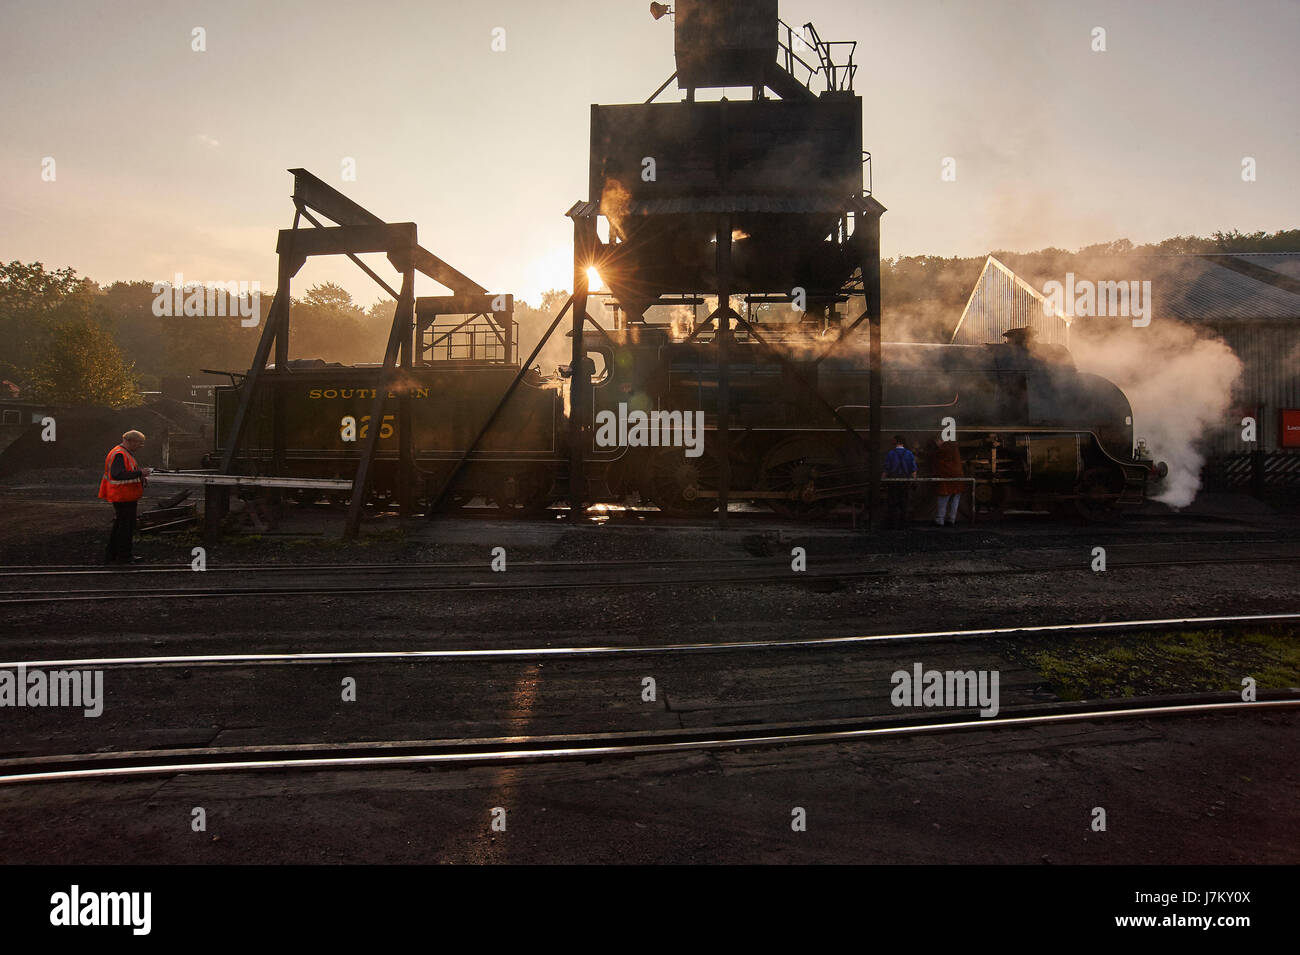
(1249, 300)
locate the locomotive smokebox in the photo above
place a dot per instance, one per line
(724, 42)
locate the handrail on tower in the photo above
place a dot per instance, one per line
(836, 76)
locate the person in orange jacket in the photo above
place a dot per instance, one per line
(122, 485)
(948, 465)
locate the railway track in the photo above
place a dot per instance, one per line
(594, 746)
(529, 653)
(588, 747)
(34, 570)
(477, 577)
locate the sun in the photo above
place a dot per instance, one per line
(593, 278)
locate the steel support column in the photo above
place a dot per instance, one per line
(242, 411)
(287, 259)
(405, 314)
(584, 247)
(870, 245)
(722, 337)
(400, 329)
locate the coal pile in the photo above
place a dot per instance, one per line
(83, 436)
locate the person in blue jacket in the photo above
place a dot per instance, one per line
(899, 463)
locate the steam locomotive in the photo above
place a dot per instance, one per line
(759, 198)
(1032, 430)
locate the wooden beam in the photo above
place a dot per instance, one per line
(356, 261)
(361, 482)
(472, 304)
(442, 273)
(249, 385)
(311, 192)
(342, 240)
(289, 264)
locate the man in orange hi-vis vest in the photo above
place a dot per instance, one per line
(122, 485)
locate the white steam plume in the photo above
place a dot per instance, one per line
(1179, 382)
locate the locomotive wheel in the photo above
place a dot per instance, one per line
(674, 480)
(455, 500)
(1097, 493)
(523, 493)
(799, 467)
(381, 497)
(305, 495)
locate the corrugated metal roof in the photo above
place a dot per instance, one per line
(1199, 288)
(1001, 301)
(1287, 263)
(1204, 290)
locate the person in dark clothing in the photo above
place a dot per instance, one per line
(899, 463)
(122, 486)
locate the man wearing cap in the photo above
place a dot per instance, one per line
(122, 485)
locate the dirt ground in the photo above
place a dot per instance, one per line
(1188, 790)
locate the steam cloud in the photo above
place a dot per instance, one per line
(1179, 382)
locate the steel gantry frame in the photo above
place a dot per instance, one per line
(356, 231)
(588, 251)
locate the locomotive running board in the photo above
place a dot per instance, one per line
(212, 479)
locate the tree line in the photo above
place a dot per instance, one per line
(67, 340)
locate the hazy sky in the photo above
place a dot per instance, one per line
(169, 160)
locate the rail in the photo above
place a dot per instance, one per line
(67, 767)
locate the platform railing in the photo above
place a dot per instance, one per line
(835, 75)
(468, 341)
(787, 46)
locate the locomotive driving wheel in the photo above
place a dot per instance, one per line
(674, 482)
(1097, 493)
(799, 468)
